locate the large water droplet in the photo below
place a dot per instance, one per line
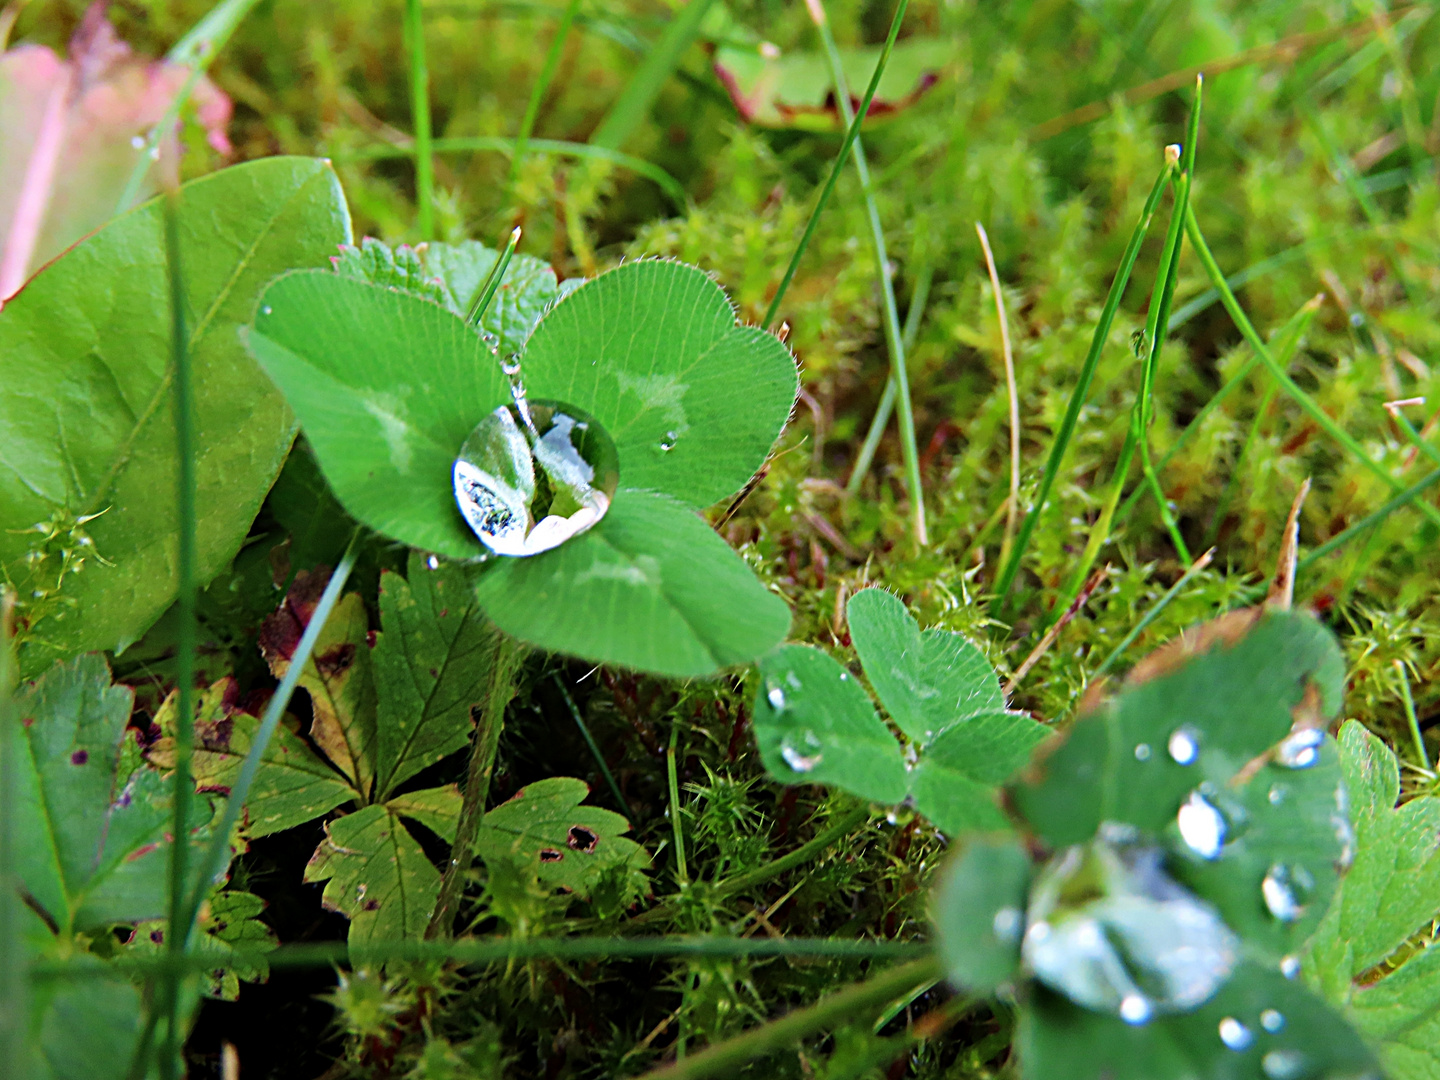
(1285, 890)
(1202, 827)
(1135, 1009)
(1300, 749)
(1236, 1035)
(1283, 1064)
(518, 509)
(1184, 745)
(1272, 1020)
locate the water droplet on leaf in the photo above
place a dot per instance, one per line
(1285, 890)
(1007, 923)
(803, 754)
(1277, 794)
(1272, 1021)
(1235, 1035)
(1184, 745)
(526, 487)
(1202, 827)
(432, 563)
(1135, 1009)
(1290, 966)
(776, 697)
(1142, 752)
(1283, 1064)
(1301, 749)
(668, 442)
(137, 142)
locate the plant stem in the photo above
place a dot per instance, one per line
(1304, 400)
(682, 874)
(851, 134)
(420, 116)
(620, 803)
(506, 657)
(725, 1059)
(177, 938)
(889, 311)
(1008, 572)
(537, 92)
(493, 279)
(1410, 716)
(1013, 510)
(1150, 616)
(13, 976)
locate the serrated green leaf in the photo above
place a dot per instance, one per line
(544, 830)
(1235, 700)
(955, 782)
(398, 268)
(430, 662)
(84, 355)
(87, 1029)
(438, 809)
(1058, 1040)
(229, 923)
(1400, 1015)
(375, 874)
(650, 587)
(338, 675)
(387, 386)
(814, 724)
(979, 913)
(526, 291)
(652, 351)
(90, 829)
(292, 786)
(926, 681)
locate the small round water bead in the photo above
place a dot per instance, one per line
(528, 479)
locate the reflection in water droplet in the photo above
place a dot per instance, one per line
(1272, 1021)
(1300, 750)
(668, 442)
(1283, 1064)
(518, 509)
(432, 563)
(1142, 752)
(1285, 889)
(1184, 745)
(1290, 966)
(1201, 827)
(1277, 794)
(1135, 1009)
(1235, 1035)
(801, 753)
(776, 697)
(511, 366)
(1007, 923)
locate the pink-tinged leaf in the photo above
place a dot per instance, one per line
(69, 133)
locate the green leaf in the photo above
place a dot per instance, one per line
(438, 809)
(229, 923)
(387, 386)
(794, 90)
(87, 1027)
(430, 662)
(956, 780)
(814, 724)
(1235, 700)
(292, 786)
(338, 675)
(926, 681)
(544, 829)
(90, 826)
(652, 351)
(979, 913)
(84, 355)
(650, 587)
(1400, 1015)
(1058, 1040)
(375, 874)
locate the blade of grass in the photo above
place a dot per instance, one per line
(13, 977)
(420, 117)
(682, 873)
(633, 105)
(1009, 570)
(1013, 512)
(177, 939)
(1370, 521)
(852, 133)
(1304, 400)
(620, 803)
(662, 179)
(197, 50)
(492, 280)
(1150, 616)
(889, 311)
(726, 1058)
(1410, 717)
(1403, 422)
(542, 84)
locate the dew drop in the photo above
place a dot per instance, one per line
(1235, 1035)
(511, 366)
(526, 489)
(1142, 752)
(154, 153)
(1202, 827)
(844, 676)
(1301, 749)
(1277, 794)
(801, 763)
(668, 442)
(137, 142)
(266, 310)
(1283, 1064)
(1284, 891)
(1290, 966)
(776, 697)
(1038, 932)
(1272, 1021)
(432, 563)
(1184, 745)
(1006, 924)
(1136, 1010)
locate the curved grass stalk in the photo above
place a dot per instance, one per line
(890, 313)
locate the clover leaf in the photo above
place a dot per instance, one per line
(814, 722)
(389, 381)
(1184, 839)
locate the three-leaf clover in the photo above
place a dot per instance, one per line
(388, 381)
(1182, 842)
(814, 722)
